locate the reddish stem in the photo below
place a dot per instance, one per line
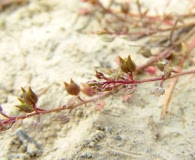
(146, 80)
(10, 119)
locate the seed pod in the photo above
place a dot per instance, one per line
(31, 96)
(127, 65)
(130, 64)
(87, 90)
(161, 64)
(72, 88)
(146, 52)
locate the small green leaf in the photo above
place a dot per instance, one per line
(21, 100)
(25, 107)
(167, 71)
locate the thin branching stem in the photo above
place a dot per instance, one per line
(147, 80)
(41, 112)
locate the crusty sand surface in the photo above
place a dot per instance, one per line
(40, 45)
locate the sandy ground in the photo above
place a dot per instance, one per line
(40, 46)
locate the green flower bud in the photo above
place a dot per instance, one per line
(29, 96)
(127, 65)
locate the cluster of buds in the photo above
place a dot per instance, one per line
(98, 87)
(95, 86)
(165, 66)
(127, 66)
(28, 101)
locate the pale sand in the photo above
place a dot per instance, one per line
(40, 46)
